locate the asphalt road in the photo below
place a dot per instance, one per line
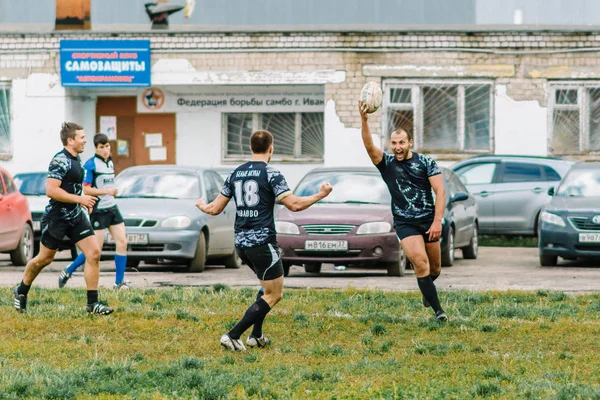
(496, 269)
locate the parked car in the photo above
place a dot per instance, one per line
(570, 223)
(16, 226)
(33, 186)
(162, 222)
(510, 190)
(353, 226)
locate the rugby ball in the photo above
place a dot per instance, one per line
(371, 96)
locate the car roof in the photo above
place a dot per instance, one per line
(555, 162)
(167, 167)
(586, 165)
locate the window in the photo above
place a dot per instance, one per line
(297, 136)
(514, 172)
(10, 186)
(212, 190)
(478, 174)
(443, 117)
(5, 148)
(574, 124)
(551, 174)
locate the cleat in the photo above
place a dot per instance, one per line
(125, 285)
(232, 344)
(20, 301)
(254, 341)
(441, 316)
(98, 308)
(63, 278)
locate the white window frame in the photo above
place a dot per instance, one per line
(416, 107)
(8, 155)
(583, 106)
(296, 158)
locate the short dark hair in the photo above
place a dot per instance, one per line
(68, 131)
(400, 130)
(100, 138)
(260, 141)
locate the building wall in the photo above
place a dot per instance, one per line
(521, 64)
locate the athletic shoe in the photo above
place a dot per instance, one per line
(232, 344)
(254, 341)
(441, 316)
(98, 308)
(63, 278)
(125, 285)
(20, 301)
(425, 302)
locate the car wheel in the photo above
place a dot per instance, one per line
(24, 251)
(286, 268)
(313, 268)
(398, 268)
(233, 261)
(132, 264)
(548, 260)
(470, 252)
(448, 249)
(197, 263)
(75, 252)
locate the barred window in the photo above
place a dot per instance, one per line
(443, 116)
(5, 146)
(574, 118)
(297, 136)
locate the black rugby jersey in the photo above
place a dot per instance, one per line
(254, 186)
(66, 168)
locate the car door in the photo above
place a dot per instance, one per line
(520, 194)
(219, 226)
(10, 219)
(470, 209)
(457, 209)
(480, 180)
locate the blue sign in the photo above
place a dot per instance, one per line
(105, 63)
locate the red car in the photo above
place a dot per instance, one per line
(16, 226)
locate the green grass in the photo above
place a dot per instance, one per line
(326, 344)
(508, 241)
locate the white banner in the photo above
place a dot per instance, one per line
(148, 102)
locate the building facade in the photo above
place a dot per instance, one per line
(460, 92)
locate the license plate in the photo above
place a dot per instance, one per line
(132, 238)
(589, 237)
(326, 245)
(37, 225)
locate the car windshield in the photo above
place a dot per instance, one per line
(158, 184)
(348, 187)
(33, 184)
(580, 183)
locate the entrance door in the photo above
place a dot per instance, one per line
(154, 141)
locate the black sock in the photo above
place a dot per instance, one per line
(92, 296)
(428, 289)
(23, 288)
(257, 327)
(434, 277)
(256, 312)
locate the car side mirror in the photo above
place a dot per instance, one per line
(551, 191)
(459, 196)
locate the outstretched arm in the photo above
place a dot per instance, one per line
(299, 203)
(215, 207)
(374, 152)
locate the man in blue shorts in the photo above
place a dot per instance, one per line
(410, 177)
(66, 216)
(255, 186)
(99, 181)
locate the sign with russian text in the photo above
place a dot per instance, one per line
(105, 63)
(243, 102)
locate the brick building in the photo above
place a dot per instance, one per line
(461, 92)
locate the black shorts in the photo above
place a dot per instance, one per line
(264, 260)
(406, 229)
(102, 219)
(55, 232)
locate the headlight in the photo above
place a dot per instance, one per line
(371, 228)
(552, 219)
(178, 222)
(286, 228)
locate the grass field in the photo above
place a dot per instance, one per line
(326, 344)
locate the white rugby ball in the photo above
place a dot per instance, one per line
(371, 96)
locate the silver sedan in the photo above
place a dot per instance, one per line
(162, 222)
